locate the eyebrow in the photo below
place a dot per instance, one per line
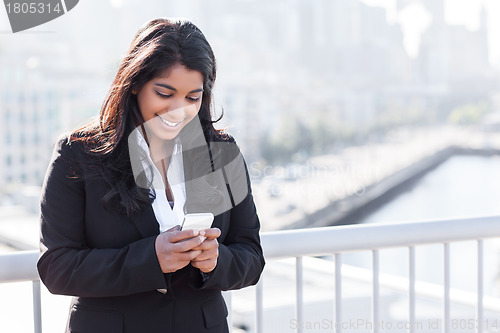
(172, 88)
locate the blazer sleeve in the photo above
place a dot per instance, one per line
(67, 264)
(241, 261)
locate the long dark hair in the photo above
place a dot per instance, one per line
(158, 45)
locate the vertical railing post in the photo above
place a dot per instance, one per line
(338, 292)
(227, 295)
(446, 315)
(479, 310)
(411, 288)
(376, 293)
(259, 325)
(37, 307)
(300, 292)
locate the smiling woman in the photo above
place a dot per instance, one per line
(170, 101)
(118, 188)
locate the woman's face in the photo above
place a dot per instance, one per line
(170, 101)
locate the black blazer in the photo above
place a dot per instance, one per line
(108, 260)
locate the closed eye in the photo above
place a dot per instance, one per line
(162, 95)
(193, 99)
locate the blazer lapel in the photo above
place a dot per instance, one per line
(197, 163)
(146, 222)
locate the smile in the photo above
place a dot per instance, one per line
(169, 123)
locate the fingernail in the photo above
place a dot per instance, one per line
(195, 232)
(202, 238)
(202, 232)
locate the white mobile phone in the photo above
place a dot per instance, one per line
(197, 221)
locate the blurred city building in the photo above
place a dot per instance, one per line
(295, 76)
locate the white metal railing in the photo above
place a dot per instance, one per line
(338, 240)
(21, 266)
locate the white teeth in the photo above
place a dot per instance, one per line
(171, 124)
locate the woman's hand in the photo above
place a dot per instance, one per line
(207, 259)
(175, 249)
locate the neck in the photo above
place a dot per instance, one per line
(160, 149)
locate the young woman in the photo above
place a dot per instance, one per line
(117, 189)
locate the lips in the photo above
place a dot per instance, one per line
(170, 123)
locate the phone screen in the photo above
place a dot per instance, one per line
(198, 221)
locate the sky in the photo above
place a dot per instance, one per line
(414, 20)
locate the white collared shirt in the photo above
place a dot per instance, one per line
(165, 215)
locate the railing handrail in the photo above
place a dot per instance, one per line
(327, 240)
(340, 239)
(19, 266)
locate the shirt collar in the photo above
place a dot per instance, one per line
(141, 141)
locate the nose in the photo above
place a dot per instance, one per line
(177, 112)
(179, 109)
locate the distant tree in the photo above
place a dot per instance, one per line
(291, 140)
(468, 114)
(322, 133)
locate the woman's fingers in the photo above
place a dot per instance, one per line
(207, 259)
(207, 245)
(189, 244)
(176, 236)
(210, 253)
(188, 256)
(174, 249)
(206, 266)
(211, 233)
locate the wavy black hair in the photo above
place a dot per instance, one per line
(157, 46)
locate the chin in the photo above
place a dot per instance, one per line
(160, 131)
(167, 137)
